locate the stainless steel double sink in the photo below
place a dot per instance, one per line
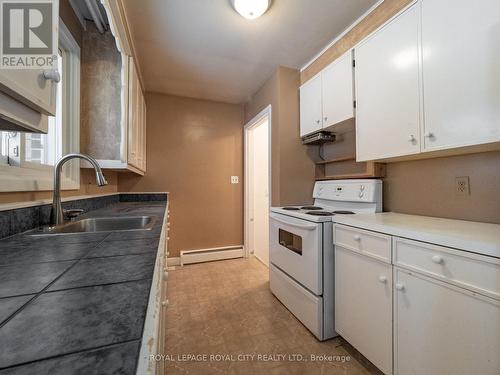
(98, 224)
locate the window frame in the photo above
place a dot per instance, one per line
(36, 177)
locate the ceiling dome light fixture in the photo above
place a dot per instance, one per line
(251, 9)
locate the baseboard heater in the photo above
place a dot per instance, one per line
(208, 255)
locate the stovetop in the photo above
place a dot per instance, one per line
(311, 213)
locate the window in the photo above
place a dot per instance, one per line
(27, 159)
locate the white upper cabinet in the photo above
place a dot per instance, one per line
(33, 87)
(327, 98)
(310, 106)
(388, 91)
(338, 90)
(28, 96)
(461, 59)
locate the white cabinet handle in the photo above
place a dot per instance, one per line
(429, 135)
(52, 75)
(357, 237)
(399, 287)
(317, 121)
(382, 279)
(326, 118)
(437, 259)
(164, 303)
(411, 138)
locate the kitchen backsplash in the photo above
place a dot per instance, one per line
(18, 220)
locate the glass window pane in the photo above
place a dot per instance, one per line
(290, 241)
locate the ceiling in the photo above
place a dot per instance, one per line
(204, 49)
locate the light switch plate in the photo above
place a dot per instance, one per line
(235, 179)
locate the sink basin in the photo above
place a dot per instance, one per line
(99, 224)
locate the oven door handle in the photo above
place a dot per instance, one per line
(300, 226)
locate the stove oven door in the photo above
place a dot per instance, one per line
(295, 246)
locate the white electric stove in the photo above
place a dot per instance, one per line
(301, 271)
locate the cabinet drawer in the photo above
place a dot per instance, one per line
(471, 271)
(372, 244)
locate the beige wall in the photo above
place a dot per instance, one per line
(194, 146)
(292, 169)
(87, 187)
(427, 187)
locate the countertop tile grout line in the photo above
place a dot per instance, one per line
(71, 353)
(71, 260)
(11, 316)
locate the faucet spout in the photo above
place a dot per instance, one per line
(56, 214)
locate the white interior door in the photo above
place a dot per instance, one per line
(258, 190)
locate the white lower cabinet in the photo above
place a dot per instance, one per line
(441, 329)
(430, 310)
(363, 305)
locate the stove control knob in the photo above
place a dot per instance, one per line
(362, 187)
(361, 194)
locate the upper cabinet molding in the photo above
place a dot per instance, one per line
(119, 25)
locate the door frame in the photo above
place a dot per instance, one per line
(266, 112)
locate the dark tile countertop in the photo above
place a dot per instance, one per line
(77, 303)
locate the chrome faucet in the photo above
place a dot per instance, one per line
(56, 214)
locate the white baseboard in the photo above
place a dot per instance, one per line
(208, 255)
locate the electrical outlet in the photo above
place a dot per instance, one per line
(462, 185)
(235, 179)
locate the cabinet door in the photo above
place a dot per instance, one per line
(133, 116)
(310, 106)
(441, 329)
(460, 72)
(338, 90)
(363, 305)
(388, 90)
(31, 88)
